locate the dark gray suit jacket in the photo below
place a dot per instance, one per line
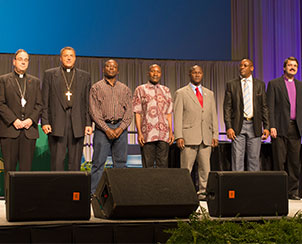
(233, 106)
(10, 105)
(279, 105)
(54, 104)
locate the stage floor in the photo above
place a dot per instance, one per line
(294, 207)
(97, 230)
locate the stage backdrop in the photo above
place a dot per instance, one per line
(168, 29)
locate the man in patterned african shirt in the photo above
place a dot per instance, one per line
(152, 105)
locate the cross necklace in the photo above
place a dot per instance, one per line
(22, 93)
(68, 94)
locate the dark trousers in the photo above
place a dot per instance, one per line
(286, 156)
(155, 154)
(58, 146)
(18, 149)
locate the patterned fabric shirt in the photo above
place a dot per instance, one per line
(153, 102)
(108, 102)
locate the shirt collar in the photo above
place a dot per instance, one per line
(248, 79)
(152, 85)
(194, 87)
(65, 69)
(19, 75)
(288, 79)
(108, 83)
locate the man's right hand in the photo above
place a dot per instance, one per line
(46, 129)
(180, 143)
(18, 124)
(231, 134)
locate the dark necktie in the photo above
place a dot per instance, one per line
(199, 96)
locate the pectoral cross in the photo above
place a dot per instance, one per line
(68, 95)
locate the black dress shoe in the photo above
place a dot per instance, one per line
(294, 197)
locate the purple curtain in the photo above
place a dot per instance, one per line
(267, 32)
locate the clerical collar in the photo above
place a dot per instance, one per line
(68, 70)
(19, 75)
(289, 80)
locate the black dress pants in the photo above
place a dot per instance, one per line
(59, 145)
(18, 149)
(286, 156)
(155, 154)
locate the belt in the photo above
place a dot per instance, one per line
(248, 119)
(113, 122)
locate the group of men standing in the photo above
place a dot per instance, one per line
(248, 109)
(69, 103)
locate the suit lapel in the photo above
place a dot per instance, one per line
(238, 91)
(255, 88)
(76, 87)
(205, 98)
(283, 88)
(12, 81)
(28, 87)
(58, 87)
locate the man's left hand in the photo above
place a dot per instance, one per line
(171, 138)
(265, 134)
(118, 131)
(27, 123)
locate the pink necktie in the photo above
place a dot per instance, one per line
(199, 97)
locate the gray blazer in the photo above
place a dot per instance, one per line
(191, 122)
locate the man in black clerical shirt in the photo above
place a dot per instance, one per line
(65, 115)
(20, 109)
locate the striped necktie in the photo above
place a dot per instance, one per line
(247, 99)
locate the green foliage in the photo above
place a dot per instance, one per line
(86, 166)
(202, 229)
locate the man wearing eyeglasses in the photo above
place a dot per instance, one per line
(20, 108)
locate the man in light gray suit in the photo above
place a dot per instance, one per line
(196, 126)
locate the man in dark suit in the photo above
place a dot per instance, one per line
(245, 112)
(284, 96)
(65, 115)
(20, 108)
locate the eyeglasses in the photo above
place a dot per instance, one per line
(21, 59)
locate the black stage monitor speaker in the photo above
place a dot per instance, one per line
(48, 196)
(261, 193)
(145, 193)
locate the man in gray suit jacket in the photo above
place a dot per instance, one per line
(20, 108)
(245, 112)
(196, 126)
(65, 114)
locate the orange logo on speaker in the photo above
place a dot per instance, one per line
(231, 194)
(76, 196)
